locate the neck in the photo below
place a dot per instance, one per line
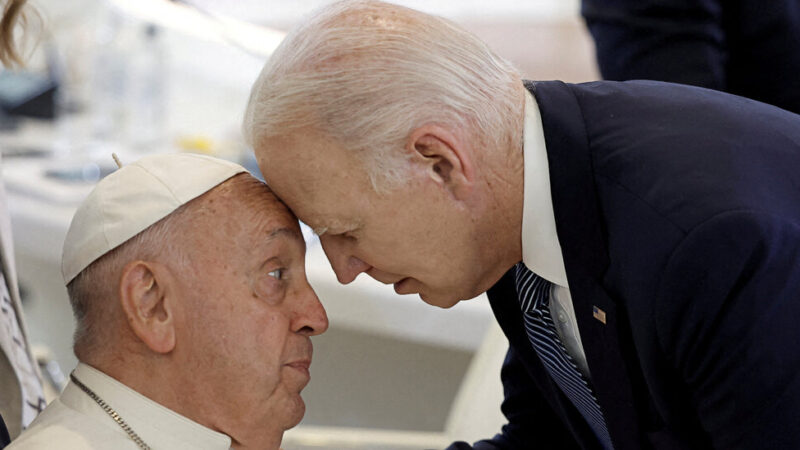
(506, 205)
(505, 183)
(167, 383)
(271, 442)
(500, 229)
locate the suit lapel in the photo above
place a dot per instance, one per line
(505, 306)
(581, 234)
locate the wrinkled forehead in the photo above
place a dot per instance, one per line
(241, 206)
(275, 219)
(306, 166)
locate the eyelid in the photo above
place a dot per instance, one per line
(269, 288)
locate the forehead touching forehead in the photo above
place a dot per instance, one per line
(243, 203)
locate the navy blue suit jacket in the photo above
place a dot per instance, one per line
(678, 213)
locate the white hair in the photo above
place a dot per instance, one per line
(367, 73)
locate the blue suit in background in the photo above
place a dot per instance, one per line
(678, 214)
(746, 47)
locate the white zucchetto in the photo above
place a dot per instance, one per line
(128, 201)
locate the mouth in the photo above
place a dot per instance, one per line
(403, 286)
(301, 366)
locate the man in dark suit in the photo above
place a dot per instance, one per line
(640, 241)
(746, 47)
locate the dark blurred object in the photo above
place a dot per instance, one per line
(746, 47)
(4, 438)
(27, 94)
(8, 123)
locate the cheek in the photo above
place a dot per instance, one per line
(245, 340)
(266, 341)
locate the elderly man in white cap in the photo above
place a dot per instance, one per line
(186, 276)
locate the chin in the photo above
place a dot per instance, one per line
(294, 413)
(444, 302)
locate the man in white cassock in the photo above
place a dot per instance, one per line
(186, 276)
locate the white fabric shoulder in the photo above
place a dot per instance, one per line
(61, 427)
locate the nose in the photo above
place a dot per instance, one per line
(344, 264)
(311, 318)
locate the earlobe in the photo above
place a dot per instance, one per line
(148, 308)
(445, 159)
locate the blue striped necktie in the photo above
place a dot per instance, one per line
(534, 298)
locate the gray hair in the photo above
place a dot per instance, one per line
(93, 294)
(367, 73)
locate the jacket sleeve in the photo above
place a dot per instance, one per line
(531, 421)
(676, 40)
(727, 320)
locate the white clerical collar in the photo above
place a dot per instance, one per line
(541, 251)
(156, 425)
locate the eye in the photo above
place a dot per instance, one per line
(349, 235)
(270, 286)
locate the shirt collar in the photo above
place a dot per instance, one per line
(158, 426)
(541, 251)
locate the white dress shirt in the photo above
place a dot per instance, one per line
(76, 421)
(541, 251)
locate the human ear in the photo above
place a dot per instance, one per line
(445, 158)
(149, 310)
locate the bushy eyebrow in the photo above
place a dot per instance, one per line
(285, 231)
(337, 225)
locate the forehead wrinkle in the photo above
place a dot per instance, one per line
(265, 223)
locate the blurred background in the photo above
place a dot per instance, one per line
(144, 76)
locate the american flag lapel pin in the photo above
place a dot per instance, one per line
(599, 314)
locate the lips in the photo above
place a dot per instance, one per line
(301, 366)
(403, 286)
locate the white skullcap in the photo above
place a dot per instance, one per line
(128, 201)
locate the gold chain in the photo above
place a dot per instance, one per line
(110, 411)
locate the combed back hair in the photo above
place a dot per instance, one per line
(366, 74)
(94, 294)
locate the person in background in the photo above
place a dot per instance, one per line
(194, 315)
(21, 392)
(746, 47)
(639, 241)
(12, 13)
